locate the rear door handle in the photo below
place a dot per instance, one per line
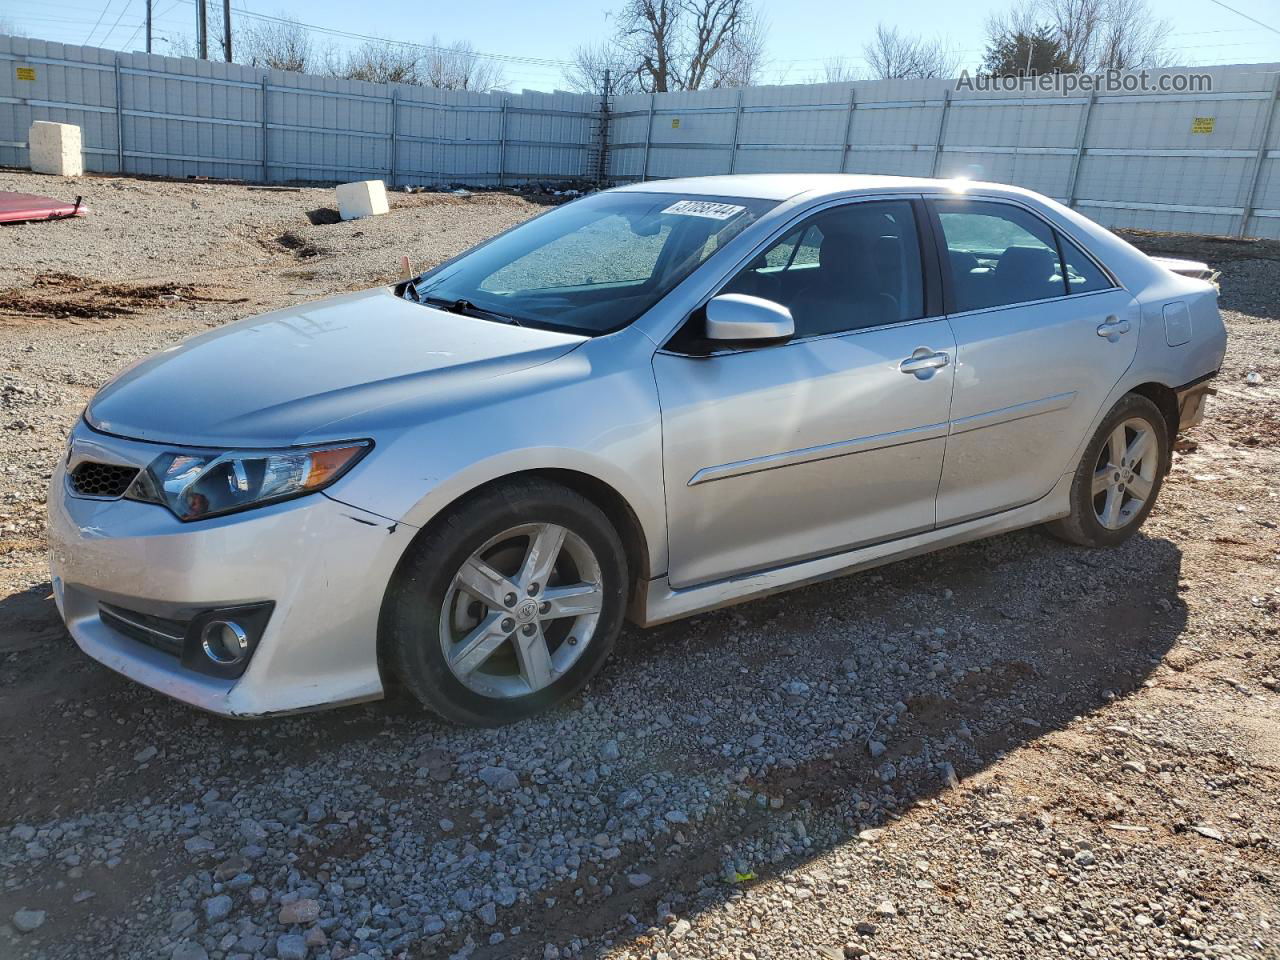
(923, 362)
(1112, 328)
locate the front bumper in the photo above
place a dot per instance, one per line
(324, 564)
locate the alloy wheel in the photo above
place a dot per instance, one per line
(521, 610)
(1125, 473)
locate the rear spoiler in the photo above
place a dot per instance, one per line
(1189, 268)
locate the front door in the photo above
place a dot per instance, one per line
(1042, 335)
(832, 440)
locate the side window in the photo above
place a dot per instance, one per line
(1083, 275)
(847, 268)
(998, 254)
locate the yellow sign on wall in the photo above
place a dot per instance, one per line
(675, 123)
(1202, 125)
(26, 73)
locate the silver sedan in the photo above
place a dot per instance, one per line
(648, 403)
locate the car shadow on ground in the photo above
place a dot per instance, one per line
(1055, 654)
(1039, 634)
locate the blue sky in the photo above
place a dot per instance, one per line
(802, 33)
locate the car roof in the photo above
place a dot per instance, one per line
(784, 186)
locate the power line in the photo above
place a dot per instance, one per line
(123, 10)
(98, 21)
(1238, 13)
(332, 31)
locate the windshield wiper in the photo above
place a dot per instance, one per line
(468, 309)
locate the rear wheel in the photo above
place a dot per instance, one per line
(508, 606)
(1119, 476)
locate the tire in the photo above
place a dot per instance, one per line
(465, 649)
(1109, 513)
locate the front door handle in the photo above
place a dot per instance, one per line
(1112, 328)
(923, 362)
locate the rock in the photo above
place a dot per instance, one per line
(886, 909)
(315, 937)
(1254, 379)
(676, 816)
(181, 921)
(550, 952)
(871, 834)
(300, 911)
(315, 812)
(189, 950)
(1134, 766)
(949, 775)
(23, 832)
(628, 799)
(875, 748)
(1213, 833)
(145, 754)
(199, 844)
(291, 946)
(609, 751)
(795, 689)
(639, 880)
(499, 778)
(229, 868)
(681, 929)
(217, 908)
(25, 920)
(488, 914)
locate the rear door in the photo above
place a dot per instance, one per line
(1042, 334)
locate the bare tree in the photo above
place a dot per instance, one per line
(7, 26)
(1091, 34)
(898, 56)
(589, 65)
(688, 44)
(381, 61)
(458, 67)
(274, 44)
(838, 70)
(1131, 37)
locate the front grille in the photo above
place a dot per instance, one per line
(105, 480)
(158, 632)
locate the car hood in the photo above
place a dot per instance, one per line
(284, 376)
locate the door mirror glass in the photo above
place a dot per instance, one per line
(738, 317)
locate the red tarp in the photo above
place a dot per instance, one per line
(16, 207)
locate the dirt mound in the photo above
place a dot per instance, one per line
(62, 295)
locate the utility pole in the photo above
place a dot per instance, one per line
(202, 30)
(226, 29)
(148, 26)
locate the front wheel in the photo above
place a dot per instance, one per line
(508, 606)
(1119, 476)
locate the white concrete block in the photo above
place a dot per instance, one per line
(365, 198)
(56, 148)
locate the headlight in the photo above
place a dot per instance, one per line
(195, 485)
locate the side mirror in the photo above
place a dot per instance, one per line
(737, 317)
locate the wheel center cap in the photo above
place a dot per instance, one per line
(526, 610)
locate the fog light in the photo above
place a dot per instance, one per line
(224, 642)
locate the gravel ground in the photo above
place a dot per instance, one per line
(1008, 749)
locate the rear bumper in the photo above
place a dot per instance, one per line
(324, 566)
(1192, 399)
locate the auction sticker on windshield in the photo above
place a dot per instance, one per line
(704, 208)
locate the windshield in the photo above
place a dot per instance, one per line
(594, 265)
